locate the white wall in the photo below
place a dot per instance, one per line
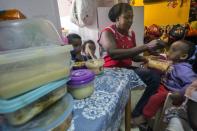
(47, 9)
(101, 21)
(88, 32)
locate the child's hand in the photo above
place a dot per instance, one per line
(191, 88)
(177, 98)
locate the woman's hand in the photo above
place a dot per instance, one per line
(155, 44)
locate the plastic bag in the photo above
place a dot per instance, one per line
(82, 12)
(152, 32)
(178, 32)
(192, 29)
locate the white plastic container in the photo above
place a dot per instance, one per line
(20, 34)
(26, 69)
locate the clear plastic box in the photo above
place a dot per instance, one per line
(26, 69)
(25, 114)
(56, 118)
(20, 34)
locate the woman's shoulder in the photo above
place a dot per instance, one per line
(110, 29)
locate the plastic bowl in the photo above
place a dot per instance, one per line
(95, 65)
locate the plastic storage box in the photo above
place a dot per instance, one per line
(23, 108)
(81, 84)
(26, 69)
(57, 118)
(20, 34)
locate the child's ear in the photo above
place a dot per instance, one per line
(184, 56)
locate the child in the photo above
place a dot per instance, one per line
(176, 79)
(76, 42)
(89, 46)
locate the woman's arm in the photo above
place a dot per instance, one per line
(109, 44)
(139, 58)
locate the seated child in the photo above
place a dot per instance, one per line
(75, 41)
(178, 77)
(89, 47)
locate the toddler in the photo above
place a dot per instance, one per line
(177, 78)
(76, 42)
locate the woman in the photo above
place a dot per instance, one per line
(118, 48)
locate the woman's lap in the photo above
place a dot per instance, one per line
(152, 80)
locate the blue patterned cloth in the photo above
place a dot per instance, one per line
(103, 110)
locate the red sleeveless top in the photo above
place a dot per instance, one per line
(122, 42)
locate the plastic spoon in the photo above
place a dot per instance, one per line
(91, 55)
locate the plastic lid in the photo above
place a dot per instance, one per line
(21, 34)
(12, 105)
(81, 76)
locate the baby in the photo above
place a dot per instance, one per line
(178, 77)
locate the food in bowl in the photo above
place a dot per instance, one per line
(95, 65)
(79, 65)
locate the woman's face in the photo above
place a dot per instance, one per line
(125, 20)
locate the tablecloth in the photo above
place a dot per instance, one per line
(103, 110)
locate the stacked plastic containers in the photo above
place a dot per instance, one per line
(34, 70)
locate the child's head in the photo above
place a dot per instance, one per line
(76, 42)
(181, 51)
(91, 45)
